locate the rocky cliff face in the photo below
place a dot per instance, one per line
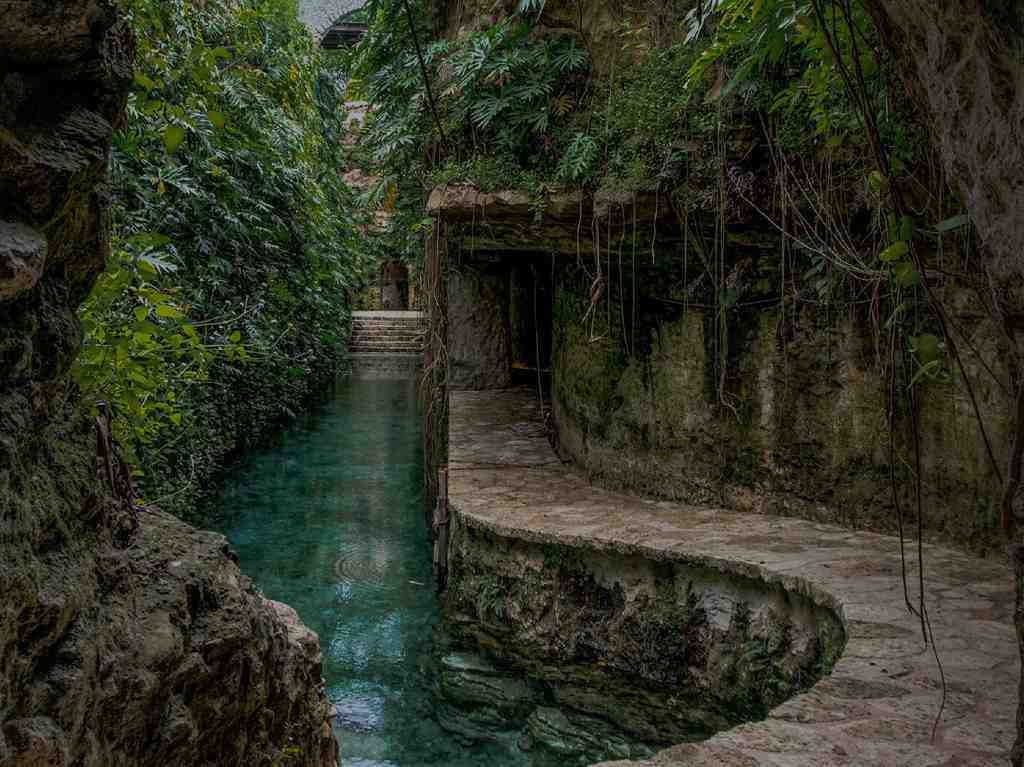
(781, 405)
(126, 637)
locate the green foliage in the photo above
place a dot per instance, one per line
(781, 56)
(578, 161)
(140, 349)
(647, 118)
(505, 101)
(496, 88)
(226, 303)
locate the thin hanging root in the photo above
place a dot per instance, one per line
(596, 291)
(657, 210)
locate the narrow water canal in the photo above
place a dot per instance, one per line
(330, 522)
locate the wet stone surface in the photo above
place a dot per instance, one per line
(879, 704)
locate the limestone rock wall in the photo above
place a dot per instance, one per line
(126, 637)
(784, 414)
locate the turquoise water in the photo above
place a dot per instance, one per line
(330, 521)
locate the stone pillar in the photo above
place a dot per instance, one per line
(394, 286)
(479, 335)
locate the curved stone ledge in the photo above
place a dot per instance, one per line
(880, 703)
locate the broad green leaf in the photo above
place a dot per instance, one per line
(235, 337)
(169, 312)
(217, 118)
(905, 274)
(894, 252)
(956, 222)
(146, 327)
(148, 240)
(143, 81)
(926, 347)
(174, 135)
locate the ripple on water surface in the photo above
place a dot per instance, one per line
(330, 521)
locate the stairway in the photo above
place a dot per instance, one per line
(387, 333)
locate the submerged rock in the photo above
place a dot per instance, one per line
(578, 735)
(469, 681)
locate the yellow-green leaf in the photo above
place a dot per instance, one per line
(895, 251)
(173, 136)
(143, 81)
(168, 311)
(217, 118)
(926, 347)
(905, 274)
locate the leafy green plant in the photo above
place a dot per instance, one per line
(579, 159)
(141, 351)
(226, 303)
(497, 88)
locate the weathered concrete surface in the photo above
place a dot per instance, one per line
(625, 655)
(879, 705)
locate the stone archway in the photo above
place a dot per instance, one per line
(319, 15)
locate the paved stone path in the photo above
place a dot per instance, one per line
(878, 707)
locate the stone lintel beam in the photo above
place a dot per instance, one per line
(560, 220)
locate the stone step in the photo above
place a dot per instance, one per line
(380, 348)
(391, 341)
(388, 316)
(384, 345)
(386, 324)
(384, 331)
(394, 329)
(388, 333)
(377, 350)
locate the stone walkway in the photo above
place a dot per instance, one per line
(878, 707)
